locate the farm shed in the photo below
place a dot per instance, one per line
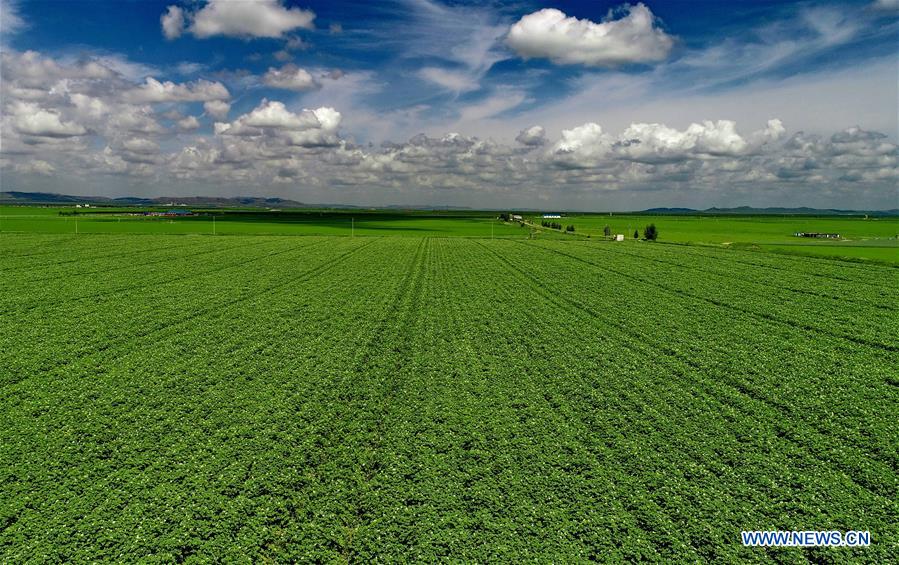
(551, 216)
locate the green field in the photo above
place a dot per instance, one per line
(873, 239)
(351, 399)
(258, 222)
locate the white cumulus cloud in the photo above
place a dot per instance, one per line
(35, 167)
(172, 22)
(551, 34)
(217, 108)
(188, 123)
(290, 77)
(271, 126)
(31, 119)
(532, 136)
(589, 146)
(30, 69)
(241, 18)
(651, 142)
(155, 91)
(141, 145)
(582, 146)
(274, 114)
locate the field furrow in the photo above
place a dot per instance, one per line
(432, 399)
(857, 325)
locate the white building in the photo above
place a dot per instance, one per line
(551, 216)
(619, 237)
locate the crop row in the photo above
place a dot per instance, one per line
(437, 399)
(141, 309)
(855, 321)
(774, 361)
(873, 289)
(123, 272)
(182, 441)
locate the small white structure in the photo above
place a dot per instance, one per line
(551, 216)
(818, 235)
(619, 237)
(516, 217)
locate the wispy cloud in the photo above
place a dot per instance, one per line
(455, 45)
(11, 21)
(789, 46)
(495, 104)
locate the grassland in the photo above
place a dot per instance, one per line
(863, 239)
(257, 222)
(417, 398)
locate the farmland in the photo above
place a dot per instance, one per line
(178, 397)
(863, 239)
(245, 221)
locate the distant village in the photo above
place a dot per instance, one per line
(178, 212)
(171, 213)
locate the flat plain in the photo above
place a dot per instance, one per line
(277, 398)
(871, 239)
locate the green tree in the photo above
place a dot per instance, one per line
(650, 233)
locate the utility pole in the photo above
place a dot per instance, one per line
(352, 227)
(76, 224)
(491, 229)
(213, 224)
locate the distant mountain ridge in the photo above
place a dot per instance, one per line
(17, 197)
(800, 211)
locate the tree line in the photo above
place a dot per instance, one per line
(650, 233)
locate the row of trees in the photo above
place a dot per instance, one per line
(650, 233)
(556, 226)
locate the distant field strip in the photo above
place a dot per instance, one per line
(431, 399)
(834, 316)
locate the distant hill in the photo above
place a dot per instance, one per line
(14, 197)
(747, 210)
(425, 207)
(672, 211)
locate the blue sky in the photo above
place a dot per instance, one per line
(591, 105)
